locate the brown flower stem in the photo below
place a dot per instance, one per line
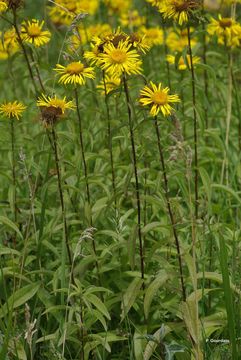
(24, 51)
(61, 195)
(171, 216)
(85, 174)
(110, 142)
(13, 175)
(137, 189)
(194, 121)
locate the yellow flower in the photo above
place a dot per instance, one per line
(227, 30)
(93, 56)
(8, 44)
(132, 19)
(53, 101)
(177, 40)
(182, 65)
(3, 6)
(32, 33)
(117, 6)
(111, 83)
(84, 35)
(74, 73)
(157, 97)
(178, 10)
(65, 11)
(151, 36)
(53, 108)
(12, 109)
(120, 59)
(154, 2)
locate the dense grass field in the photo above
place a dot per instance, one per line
(120, 175)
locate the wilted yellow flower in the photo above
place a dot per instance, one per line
(151, 36)
(54, 101)
(227, 30)
(157, 98)
(178, 10)
(182, 64)
(3, 6)
(111, 83)
(132, 19)
(177, 40)
(31, 32)
(74, 73)
(120, 59)
(12, 109)
(53, 108)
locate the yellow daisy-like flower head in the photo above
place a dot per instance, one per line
(157, 97)
(53, 108)
(152, 36)
(111, 83)
(3, 6)
(74, 73)
(12, 109)
(227, 30)
(120, 59)
(32, 33)
(183, 64)
(178, 10)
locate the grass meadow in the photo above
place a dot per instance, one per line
(120, 180)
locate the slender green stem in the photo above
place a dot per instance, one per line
(137, 188)
(86, 175)
(82, 148)
(109, 134)
(205, 74)
(13, 175)
(170, 212)
(61, 195)
(37, 70)
(19, 39)
(228, 115)
(194, 122)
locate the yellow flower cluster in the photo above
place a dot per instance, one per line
(31, 32)
(8, 44)
(117, 53)
(227, 31)
(63, 12)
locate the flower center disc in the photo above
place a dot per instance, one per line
(34, 30)
(159, 98)
(118, 56)
(74, 68)
(226, 22)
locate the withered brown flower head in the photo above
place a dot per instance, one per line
(50, 115)
(14, 4)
